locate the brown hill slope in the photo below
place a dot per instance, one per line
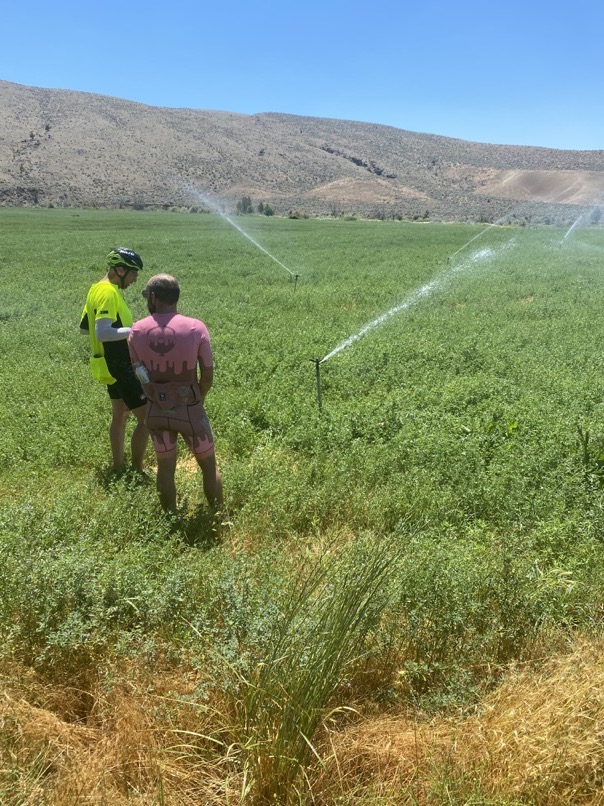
(70, 148)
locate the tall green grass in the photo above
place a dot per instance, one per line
(323, 629)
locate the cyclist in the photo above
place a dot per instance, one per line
(174, 353)
(106, 319)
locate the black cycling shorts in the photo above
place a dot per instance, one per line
(128, 389)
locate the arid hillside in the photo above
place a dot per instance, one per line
(65, 148)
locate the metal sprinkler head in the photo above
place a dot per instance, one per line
(317, 363)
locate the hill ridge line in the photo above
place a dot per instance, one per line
(80, 149)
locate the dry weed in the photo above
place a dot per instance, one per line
(538, 738)
(141, 743)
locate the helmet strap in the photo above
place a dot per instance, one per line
(122, 277)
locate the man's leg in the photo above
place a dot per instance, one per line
(117, 432)
(166, 468)
(212, 482)
(139, 439)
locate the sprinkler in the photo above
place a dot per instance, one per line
(296, 281)
(216, 208)
(317, 363)
(413, 298)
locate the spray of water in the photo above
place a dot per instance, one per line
(572, 227)
(417, 295)
(215, 207)
(482, 232)
(576, 223)
(497, 223)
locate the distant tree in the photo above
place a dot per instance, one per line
(268, 210)
(245, 206)
(261, 208)
(596, 215)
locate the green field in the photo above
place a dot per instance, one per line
(439, 519)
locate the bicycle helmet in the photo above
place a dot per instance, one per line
(126, 258)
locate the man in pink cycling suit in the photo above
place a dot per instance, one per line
(166, 349)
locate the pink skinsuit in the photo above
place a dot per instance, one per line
(171, 346)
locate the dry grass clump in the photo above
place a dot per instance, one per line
(541, 734)
(35, 745)
(382, 755)
(129, 749)
(539, 738)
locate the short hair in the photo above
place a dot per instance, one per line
(165, 287)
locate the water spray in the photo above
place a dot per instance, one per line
(216, 208)
(488, 226)
(413, 298)
(583, 215)
(317, 363)
(470, 241)
(571, 228)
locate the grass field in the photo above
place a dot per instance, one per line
(421, 554)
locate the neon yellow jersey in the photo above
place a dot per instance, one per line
(105, 301)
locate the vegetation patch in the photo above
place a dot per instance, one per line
(420, 559)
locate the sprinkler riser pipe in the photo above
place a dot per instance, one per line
(317, 363)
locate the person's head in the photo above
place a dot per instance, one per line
(124, 265)
(161, 292)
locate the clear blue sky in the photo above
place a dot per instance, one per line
(521, 72)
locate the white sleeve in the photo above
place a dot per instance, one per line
(104, 332)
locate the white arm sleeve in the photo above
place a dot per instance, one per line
(104, 332)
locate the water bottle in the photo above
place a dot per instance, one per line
(140, 370)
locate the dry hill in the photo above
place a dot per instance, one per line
(65, 148)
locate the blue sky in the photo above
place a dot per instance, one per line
(519, 72)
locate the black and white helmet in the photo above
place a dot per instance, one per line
(126, 258)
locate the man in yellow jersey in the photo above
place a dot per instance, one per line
(106, 319)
